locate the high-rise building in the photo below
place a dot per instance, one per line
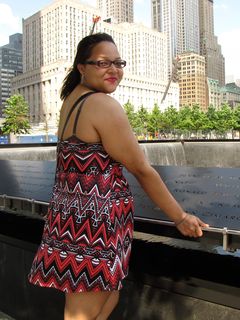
(209, 47)
(118, 10)
(214, 93)
(179, 20)
(10, 66)
(230, 94)
(50, 39)
(192, 80)
(189, 26)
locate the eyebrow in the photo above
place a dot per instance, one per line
(107, 58)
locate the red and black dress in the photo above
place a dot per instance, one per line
(88, 232)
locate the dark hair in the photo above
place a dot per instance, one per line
(84, 51)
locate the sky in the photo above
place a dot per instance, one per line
(226, 24)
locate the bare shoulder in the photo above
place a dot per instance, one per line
(111, 123)
(102, 103)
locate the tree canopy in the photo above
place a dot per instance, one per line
(16, 115)
(217, 122)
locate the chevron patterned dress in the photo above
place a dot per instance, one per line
(88, 232)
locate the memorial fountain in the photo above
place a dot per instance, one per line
(189, 280)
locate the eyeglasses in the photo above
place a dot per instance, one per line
(107, 63)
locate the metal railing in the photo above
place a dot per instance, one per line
(32, 201)
(225, 232)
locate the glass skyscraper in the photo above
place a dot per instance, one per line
(10, 66)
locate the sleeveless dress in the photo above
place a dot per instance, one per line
(87, 236)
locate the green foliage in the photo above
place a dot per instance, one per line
(236, 117)
(185, 118)
(193, 118)
(170, 119)
(212, 117)
(188, 119)
(141, 121)
(129, 109)
(154, 120)
(225, 119)
(16, 116)
(199, 118)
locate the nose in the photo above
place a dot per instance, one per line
(113, 66)
(113, 69)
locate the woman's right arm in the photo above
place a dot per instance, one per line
(117, 137)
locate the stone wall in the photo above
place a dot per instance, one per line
(185, 153)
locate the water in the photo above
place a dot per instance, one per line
(187, 153)
(168, 153)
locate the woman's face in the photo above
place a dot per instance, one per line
(98, 78)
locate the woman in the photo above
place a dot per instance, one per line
(87, 236)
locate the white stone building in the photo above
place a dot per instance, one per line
(50, 39)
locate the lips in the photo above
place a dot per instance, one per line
(112, 80)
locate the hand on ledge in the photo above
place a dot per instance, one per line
(191, 226)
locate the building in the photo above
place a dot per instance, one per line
(180, 21)
(192, 80)
(232, 78)
(50, 38)
(214, 93)
(117, 10)
(218, 95)
(10, 66)
(230, 94)
(209, 47)
(145, 77)
(189, 26)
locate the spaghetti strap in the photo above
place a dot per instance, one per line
(78, 112)
(82, 98)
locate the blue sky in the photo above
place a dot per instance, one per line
(226, 18)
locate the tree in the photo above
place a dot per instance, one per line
(236, 116)
(129, 110)
(16, 115)
(225, 119)
(198, 117)
(189, 121)
(212, 117)
(200, 120)
(170, 119)
(154, 120)
(141, 121)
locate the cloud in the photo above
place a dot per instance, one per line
(9, 24)
(7, 18)
(231, 49)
